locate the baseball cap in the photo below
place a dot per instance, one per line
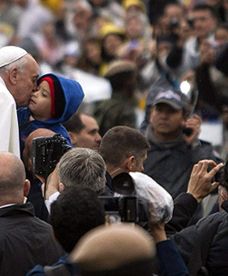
(175, 99)
(10, 54)
(110, 28)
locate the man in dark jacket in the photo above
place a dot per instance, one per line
(24, 239)
(174, 143)
(204, 246)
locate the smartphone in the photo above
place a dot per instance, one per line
(187, 131)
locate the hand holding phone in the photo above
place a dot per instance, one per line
(191, 129)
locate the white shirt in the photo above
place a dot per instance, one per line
(9, 133)
(50, 200)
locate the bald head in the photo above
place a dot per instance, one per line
(108, 248)
(12, 176)
(40, 132)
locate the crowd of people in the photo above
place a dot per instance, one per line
(102, 167)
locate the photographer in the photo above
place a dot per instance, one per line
(35, 195)
(211, 76)
(124, 150)
(185, 54)
(204, 245)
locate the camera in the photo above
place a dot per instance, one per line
(120, 208)
(187, 131)
(46, 152)
(123, 206)
(190, 22)
(174, 23)
(219, 175)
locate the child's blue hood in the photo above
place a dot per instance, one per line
(73, 95)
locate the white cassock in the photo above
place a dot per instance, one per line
(9, 133)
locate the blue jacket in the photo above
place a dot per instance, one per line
(73, 95)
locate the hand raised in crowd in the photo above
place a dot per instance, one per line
(207, 52)
(52, 184)
(193, 123)
(202, 180)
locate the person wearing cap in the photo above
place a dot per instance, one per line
(18, 74)
(174, 143)
(112, 38)
(54, 102)
(134, 6)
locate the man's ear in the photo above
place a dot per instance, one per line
(26, 187)
(129, 163)
(13, 75)
(61, 187)
(73, 137)
(150, 115)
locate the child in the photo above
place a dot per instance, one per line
(55, 101)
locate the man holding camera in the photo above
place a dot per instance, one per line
(124, 149)
(185, 54)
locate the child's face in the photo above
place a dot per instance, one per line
(40, 102)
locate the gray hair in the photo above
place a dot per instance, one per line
(83, 167)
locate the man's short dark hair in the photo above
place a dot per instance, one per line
(120, 142)
(74, 124)
(75, 212)
(205, 7)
